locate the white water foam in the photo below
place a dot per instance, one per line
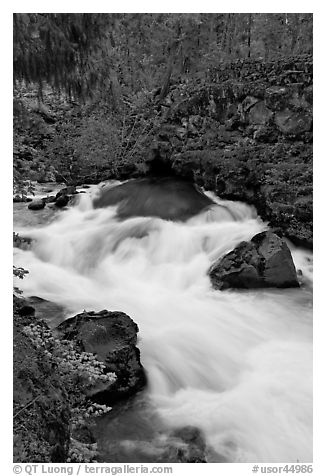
(236, 364)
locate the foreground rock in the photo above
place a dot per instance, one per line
(38, 204)
(265, 261)
(49, 199)
(112, 337)
(52, 377)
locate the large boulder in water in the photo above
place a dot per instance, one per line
(69, 190)
(37, 204)
(62, 201)
(64, 195)
(167, 198)
(265, 261)
(49, 199)
(112, 338)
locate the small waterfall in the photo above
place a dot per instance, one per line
(238, 365)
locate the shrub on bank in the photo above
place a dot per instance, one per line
(50, 406)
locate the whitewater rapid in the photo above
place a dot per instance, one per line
(238, 365)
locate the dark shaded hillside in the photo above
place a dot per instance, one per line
(246, 138)
(242, 130)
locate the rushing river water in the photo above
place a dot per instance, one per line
(238, 365)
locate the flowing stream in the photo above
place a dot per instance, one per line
(238, 365)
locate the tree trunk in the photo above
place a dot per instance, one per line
(115, 85)
(174, 50)
(115, 89)
(294, 25)
(249, 35)
(166, 82)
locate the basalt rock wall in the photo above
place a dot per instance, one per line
(245, 132)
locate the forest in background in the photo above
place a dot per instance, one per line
(109, 56)
(98, 96)
(80, 79)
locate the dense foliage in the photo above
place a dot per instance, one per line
(97, 96)
(82, 79)
(113, 55)
(57, 48)
(51, 378)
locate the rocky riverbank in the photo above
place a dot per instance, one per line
(65, 378)
(59, 376)
(246, 134)
(243, 130)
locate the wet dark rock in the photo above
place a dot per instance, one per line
(265, 261)
(193, 446)
(179, 199)
(62, 201)
(49, 199)
(112, 337)
(70, 190)
(38, 204)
